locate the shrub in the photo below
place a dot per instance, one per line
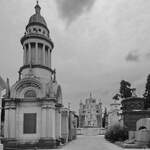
(116, 133)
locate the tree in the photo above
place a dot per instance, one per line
(147, 93)
(104, 119)
(125, 89)
(116, 97)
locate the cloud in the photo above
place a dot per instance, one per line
(147, 55)
(133, 56)
(71, 9)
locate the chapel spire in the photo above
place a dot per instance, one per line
(90, 94)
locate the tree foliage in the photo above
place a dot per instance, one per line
(125, 89)
(104, 119)
(147, 92)
(116, 97)
(116, 133)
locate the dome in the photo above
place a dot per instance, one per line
(37, 18)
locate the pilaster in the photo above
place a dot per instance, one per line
(12, 119)
(58, 122)
(6, 122)
(48, 121)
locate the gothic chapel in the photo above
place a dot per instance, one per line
(33, 103)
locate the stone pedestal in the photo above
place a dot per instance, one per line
(131, 117)
(131, 135)
(142, 137)
(64, 125)
(47, 143)
(1, 146)
(90, 131)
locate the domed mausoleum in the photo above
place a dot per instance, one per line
(33, 104)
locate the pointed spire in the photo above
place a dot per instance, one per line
(69, 105)
(2, 84)
(37, 7)
(90, 95)
(54, 75)
(7, 89)
(100, 102)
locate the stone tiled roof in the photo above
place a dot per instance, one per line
(37, 18)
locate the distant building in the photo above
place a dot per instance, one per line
(90, 113)
(114, 114)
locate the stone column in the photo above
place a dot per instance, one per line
(43, 54)
(48, 121)
(59, 117)
(0, 108)
(67, 125)
(6, 123)
(18, 122)
(24, 55)
(36, 53)
(56, 123)
(12, 119)
(49, 58)
(44, 122)
(51, 124)
(29, 53)
(1, 145)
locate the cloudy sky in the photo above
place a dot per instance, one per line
(97, 44)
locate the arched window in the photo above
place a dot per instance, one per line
(30, 94)
(142, 127)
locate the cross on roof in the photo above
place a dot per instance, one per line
(37, 2)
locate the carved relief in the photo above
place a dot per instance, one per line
(30, 94)
(54, 90)
(133, 104)
(23, 85)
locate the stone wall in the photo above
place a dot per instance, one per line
(90, 131)
(130, 118)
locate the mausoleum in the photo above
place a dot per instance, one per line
(33, 104)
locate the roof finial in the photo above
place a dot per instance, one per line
(37, 7)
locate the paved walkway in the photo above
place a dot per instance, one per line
(91, 143)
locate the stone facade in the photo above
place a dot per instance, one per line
(90, 113)
(114, 114)
(65, 124)
(69, 125)
(33, 105)
(131, 117)
(132, 110)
